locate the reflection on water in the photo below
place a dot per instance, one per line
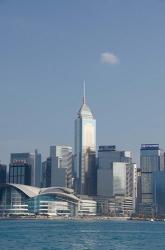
(80, 235)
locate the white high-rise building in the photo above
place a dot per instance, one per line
(85, 149)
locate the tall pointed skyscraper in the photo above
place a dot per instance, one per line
(85, 151)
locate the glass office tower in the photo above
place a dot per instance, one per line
(85, 148)
(116, 174)
(151, 162)
(25, 168)
(3, 173)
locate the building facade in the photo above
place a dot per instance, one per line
(46, 173)
(159, 193)
(115, 206)
(118, 179)
(61, 165)
(25, 168)
(3, 173)
(108, 154)
(37, 169)
(85, 151)
(116, 174)
(87, 207)
(151, 162)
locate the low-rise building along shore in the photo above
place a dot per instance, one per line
(23, 200)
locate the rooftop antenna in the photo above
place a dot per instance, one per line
(84, 99)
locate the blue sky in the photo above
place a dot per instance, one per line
(48, 48)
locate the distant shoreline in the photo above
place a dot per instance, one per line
(85, 218)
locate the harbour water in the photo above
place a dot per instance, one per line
(80, 235)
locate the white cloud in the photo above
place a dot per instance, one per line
(109, 58)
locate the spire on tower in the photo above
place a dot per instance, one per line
(84, 110)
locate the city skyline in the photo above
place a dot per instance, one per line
(82, 145)
(47, 50)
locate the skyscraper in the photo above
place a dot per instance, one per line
(25, 168)
(85, 149)
(151, 162)
(46, 173)
(20, 168)
(116, 174)
(116, 181)
(3, 170)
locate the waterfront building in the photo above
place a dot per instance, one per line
(151, 162)
(25, 168)
(159, 193)
(87, 207)
(118, 179)
(61, 165)
(116, 174)
(118, 205)
(19, 200)
(3, 173)
(85, 151)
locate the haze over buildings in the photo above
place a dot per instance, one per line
(108, 184)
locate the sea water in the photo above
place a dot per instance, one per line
(80, 235)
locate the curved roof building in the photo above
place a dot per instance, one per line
(23, 199)
(30, 191)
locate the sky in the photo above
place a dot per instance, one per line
(47, 50)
